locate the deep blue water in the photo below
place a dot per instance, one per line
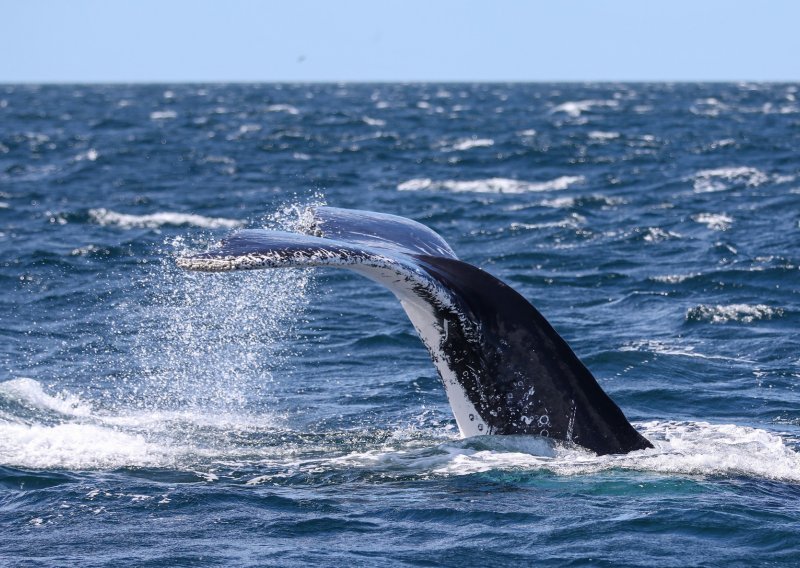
(152, 417)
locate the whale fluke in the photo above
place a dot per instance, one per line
(504, 368)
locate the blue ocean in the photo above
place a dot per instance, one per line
(155, 417)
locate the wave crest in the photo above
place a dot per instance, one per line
(490, 185)
(744, 313)
(107, 217)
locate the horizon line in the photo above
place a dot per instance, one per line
(386, 81)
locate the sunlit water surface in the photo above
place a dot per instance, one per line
(153, 417)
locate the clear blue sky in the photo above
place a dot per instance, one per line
(374, 40)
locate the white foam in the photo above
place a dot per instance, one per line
(723, 143)
(288, 109)
(575, 108)
(91, 155)
(708, 107)
(76, 447)
(373, 121)
(720, 179)
(490, 185)
(714, 221)
(664, 348)
(163, 114)
(76, 436)
(154, 220)
(745, 313)
(469, 143)
(674, 278)
(84, 440)
(657, 234)
(574, 221)
(603, 136)
(680, 448)
(30, 393)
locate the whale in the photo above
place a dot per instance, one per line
(505, 369)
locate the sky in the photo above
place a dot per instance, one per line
(398, 40)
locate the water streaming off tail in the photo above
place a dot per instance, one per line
(213, 342)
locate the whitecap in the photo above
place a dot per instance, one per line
(30, 393)
(163, 114)
(778, 178)
(490, 185)
(674, 278)
(664, 348)
(744, 313)
(603, 136)
(680, 448)
(154, 220)
(91, 155)
(246, 128)
(469, 143)
(574, 221)
(720, 179)
(373, 121)
(722, 143)
(714, 221)
(77, 446)
(657, 234)
(575, 108)
(559, 202)
(708, 107)
(288, 109)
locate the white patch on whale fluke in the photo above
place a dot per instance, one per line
(469, 421)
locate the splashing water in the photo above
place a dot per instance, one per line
(213, 341)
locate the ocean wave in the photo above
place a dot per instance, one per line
(714, 221)
(107, 217)
(574, 221)
(720, 179)
(744, 313)
(288, 109)
(674, 278)
(90, 155)
(680, 448)
(570, 202)
(468, 144)
(490, 185)
(30, 393)
(373, 121)
(709, 106)
(163, 115)
(664, 348)
(77, 447)
(575, 108)
(657, 235)
(602, 136)
(46, 431)
(192, 440)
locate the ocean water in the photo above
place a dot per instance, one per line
(152, 417)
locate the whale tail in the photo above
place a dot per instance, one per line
(504, 368)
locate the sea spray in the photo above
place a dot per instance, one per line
(212, 342)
